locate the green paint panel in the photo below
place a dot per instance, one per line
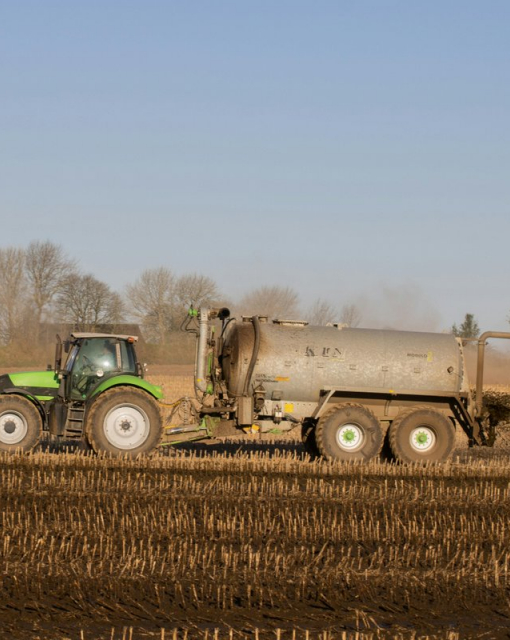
(132, 381)
(35, 379)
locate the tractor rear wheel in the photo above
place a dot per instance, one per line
(20, 424)
(421, 434)
(349, 432)
(124, 421)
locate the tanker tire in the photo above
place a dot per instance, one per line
(421, 434)
(349, 432)
(308, 438)
(20, 424)
(124, 421)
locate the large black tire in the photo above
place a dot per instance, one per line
(421, 434)
(308, 438)
(124, 421)
(349, 432)
(20, 424)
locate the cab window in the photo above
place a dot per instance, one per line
(128, 364)
(96, 359)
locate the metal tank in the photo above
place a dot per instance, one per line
(295, 361)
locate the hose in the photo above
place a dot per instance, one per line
(188, 318)
(225, 325)
(255, 354)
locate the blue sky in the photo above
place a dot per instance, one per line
(355, 151)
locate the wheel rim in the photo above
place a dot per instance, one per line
(350, 437)
(13, 427)
(422, 439)
(126, 426)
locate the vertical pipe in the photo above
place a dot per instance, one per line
(254, 355)
(480, 364)
(200, 361)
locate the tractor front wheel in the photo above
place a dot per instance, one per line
(20, 424)
(124, 421)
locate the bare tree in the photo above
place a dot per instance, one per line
(351, 315)
(274, 302)
(152, 299)
(321, 312)
(88, 303)
(46, 268)
(195, 290)
(13, 295)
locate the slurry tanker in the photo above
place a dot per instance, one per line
(346, 389)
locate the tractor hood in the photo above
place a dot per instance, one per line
(41, 384)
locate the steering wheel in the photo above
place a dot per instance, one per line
(87, 364)
(82, 377)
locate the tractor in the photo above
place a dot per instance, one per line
(97, 394)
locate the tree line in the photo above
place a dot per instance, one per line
(41, 283)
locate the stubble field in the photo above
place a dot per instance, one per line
(254, 540)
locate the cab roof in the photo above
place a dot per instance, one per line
(115, 336)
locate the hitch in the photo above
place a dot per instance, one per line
(203, 430)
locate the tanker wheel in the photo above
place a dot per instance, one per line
(308, 438)
(349, 432)
(421, 434)
(20, 424)
(124, 421)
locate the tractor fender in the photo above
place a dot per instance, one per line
(131, 381)
(29, 396)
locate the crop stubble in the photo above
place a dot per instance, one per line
(262, 538)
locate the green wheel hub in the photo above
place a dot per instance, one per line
(350, 437)
(422, 439)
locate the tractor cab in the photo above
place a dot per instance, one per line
(93, 358)
(103, 397)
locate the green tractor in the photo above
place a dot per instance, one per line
(98, 394)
